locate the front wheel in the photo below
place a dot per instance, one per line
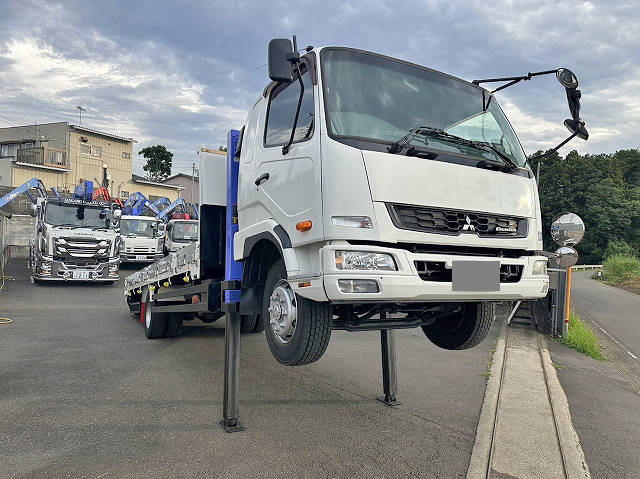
(464, 329)
(297, 329)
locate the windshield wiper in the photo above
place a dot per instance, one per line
(441, 134)
(69, 225)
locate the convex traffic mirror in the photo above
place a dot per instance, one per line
(566, 256)
(567, 229)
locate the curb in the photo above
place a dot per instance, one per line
(481, 453)
(568, 439)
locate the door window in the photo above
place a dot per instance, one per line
(283, 102)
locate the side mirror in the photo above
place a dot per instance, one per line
(117, 214)
(33, 209)
(280, 58)
(567, 230)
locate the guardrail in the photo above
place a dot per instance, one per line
(586, 266)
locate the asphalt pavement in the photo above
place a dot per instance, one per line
(85, 394)
(604, 396)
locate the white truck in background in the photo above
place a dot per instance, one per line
(372, 193)
(143, 239)
(179, 233)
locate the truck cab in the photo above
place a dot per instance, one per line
(143, 239)
(402, 192)
(76, 239)
(179, 233)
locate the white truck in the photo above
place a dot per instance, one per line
(372, 193)
(76, 239)
(143, 239)
(179, 233)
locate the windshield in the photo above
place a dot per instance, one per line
(80, 216)
(184, 231)
(130, 227)
(379, 99)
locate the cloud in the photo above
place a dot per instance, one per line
(182, 74)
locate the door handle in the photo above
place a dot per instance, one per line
(261, 178)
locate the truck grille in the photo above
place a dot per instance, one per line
(454, 222)
(436, 271)
(81, 247)
(140, 250)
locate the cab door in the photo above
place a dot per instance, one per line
(289, 189)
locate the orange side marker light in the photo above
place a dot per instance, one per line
(304, 225)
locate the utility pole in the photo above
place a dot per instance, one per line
(193, 180)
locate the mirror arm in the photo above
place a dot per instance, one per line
(285, 148)
(553, 150)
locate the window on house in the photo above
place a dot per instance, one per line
(126, 155)
(85, 149)
(28, 144)
(124, 194)
(96, 151)
(8, 149)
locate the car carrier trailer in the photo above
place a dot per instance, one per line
(363, 193)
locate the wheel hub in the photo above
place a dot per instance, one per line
(283, 313)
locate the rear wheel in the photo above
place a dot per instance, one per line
(464, 329)
(155, 324)
(174, 325)
(298, 329)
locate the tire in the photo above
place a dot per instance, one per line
(174, 325)
(302, 340)
(251, 323)
(464, 329)
(155, 324)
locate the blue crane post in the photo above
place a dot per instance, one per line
(231, 294)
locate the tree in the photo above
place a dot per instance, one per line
(603, 190)
(159, 161)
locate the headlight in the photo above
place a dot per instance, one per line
(363, 260)
(352, 221)
(539, 267)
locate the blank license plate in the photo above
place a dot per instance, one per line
(140, 257)
(476, 275)
(80, 275)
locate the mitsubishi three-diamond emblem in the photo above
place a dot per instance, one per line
(468, 226)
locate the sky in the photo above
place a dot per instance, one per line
(183, 73)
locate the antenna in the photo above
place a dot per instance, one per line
(81, 110)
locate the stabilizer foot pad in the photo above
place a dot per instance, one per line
(388, 401)
(231, 425)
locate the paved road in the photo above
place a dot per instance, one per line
(614, 313)
(604, 397)
(85, 394)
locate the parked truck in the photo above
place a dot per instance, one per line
(179, 233)
(372, 193)
(143, 239)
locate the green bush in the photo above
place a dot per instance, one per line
(618, 268)
(582, 338)
(618, 248)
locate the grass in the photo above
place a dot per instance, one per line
(487, 373)
(622, 271)
(582, 338)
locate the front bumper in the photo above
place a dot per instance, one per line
(48, 269)
(405, 285)
(140, 258)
